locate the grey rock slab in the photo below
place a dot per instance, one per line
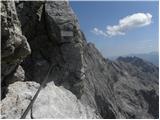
(17, 99)
(52, 102)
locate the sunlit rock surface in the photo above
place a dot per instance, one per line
(52, 102)
(82, 83)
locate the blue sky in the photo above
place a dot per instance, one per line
(141, 39)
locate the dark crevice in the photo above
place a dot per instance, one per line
(153, 100)
(4, 84)
(63, 43)
(105, 108)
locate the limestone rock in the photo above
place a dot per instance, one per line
(60, 103)
(17, 99)
(14, 45)
(52, 102)
(82, 83)
(50, 45)
(119, 88)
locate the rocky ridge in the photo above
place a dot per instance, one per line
(82, 84)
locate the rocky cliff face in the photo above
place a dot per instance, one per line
(82, 84)
(14, 45)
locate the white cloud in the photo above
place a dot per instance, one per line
(98, 32)
(129, 22)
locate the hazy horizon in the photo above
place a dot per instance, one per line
(134, 53)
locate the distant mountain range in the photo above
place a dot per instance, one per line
(152, 57)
